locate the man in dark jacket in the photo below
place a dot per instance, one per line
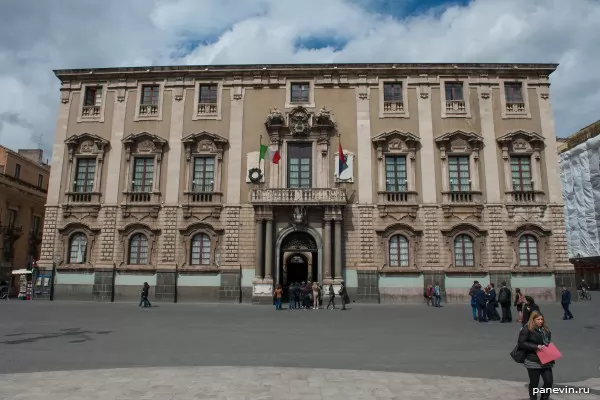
(504, 297)
(492, 304)
(480, 299)
(565, 301)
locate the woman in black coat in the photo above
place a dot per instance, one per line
(534, 336)
(528, 308)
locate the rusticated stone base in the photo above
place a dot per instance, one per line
(367, 290)
(165, 286)
(230, 290)
(103, 285)
(198, 294)
(73, 292)
(402, 295)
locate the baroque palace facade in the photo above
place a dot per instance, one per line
(157, 177)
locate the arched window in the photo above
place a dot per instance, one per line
(138, 249)
(200, 249)
(398, 251)
(78, 248)
(463, 251)
(528, 251)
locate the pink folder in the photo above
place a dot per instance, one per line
(548, 353)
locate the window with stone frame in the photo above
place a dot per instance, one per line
(77, 248)
(396, 177)
(299, 168)
(149, 100)
(203, 174)
(513, 92)
(528, 251)
(92, 102)
(455, 103)
(85, 175)
(138, 249)
(520, 167)
(17, 171)
(459, 173)
(200, 250)
(393, 98)
(463, 251)
(454, 91)
(398, 251)
(207, 98)
(300, 92)
(143, 174)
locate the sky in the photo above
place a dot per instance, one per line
(39, 36)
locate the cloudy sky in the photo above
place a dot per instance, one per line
(37, 36)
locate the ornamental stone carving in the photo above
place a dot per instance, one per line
(86, 143)
(459, 142)
(204, 142)
(521, 142)
(146, 146)
(275, 118)
(299, 122)
(324, 118)
(143, 142)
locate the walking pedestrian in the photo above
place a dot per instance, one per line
(144, 296)
(344, 295)
(331, 297)
(315, 293)
(437, 295)
(278, 293)
(565, 301)
(519, 303)
(472, 292)
(534, 336)
(528, 309)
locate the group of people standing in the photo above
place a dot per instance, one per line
(307, 296)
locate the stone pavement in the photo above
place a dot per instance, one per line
(409, 351)
(232, 383)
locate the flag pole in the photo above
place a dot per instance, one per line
(259, 149)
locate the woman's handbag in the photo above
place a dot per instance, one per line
(518, 355)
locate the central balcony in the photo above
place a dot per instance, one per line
(329, 196)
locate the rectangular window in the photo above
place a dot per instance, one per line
(93, 96)
(521, 174)
(513, 92)
(40, 180)
(300, 92)
(299, 165)
(84, 179)
(392, 92)
(208, 94)
(150, 95)
(12, 218)
(18, 171)
(143, 174)
(35, 225)
(454, 91)
(459, 174)
(204, 174)
(395, 174)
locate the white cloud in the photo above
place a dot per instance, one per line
(38, 36)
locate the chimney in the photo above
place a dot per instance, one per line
(34, 155)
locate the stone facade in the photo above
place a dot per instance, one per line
(448, 176)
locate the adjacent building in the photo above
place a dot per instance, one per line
(580, 175)
(23, 187)
(217, 182)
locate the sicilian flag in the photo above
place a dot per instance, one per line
(269, 153)
(342, 160)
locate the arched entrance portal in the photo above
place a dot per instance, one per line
(298, 259)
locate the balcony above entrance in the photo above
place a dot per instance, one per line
(329, 196)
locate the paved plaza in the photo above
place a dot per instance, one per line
(68, 350)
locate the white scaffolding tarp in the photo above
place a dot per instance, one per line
(580, 176)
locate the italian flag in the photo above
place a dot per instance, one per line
(342, 161)
(269, 153)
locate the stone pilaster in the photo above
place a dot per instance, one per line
(490, 153)
(175, 149)
(108, 235)
(364, 145)
(431, 234)
(559, 237)
(338, 249)
(327, 250)
(234, 159)
(258, 271)
(366, 228)
(113, 175)
(555, 195)
(496, 240)
(58, 151)
(269, 249)
(169, 235)
(427, 153)
(232, 215)
(49, 237)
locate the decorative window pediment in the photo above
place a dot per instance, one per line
(393, 238)
(459, 142)
(192, 239)
(151, 236)
(520, 142)
(144, 143)
(396, 142)
(86, 144)
(68, 233)
(542, 248)
(300, 122)
(204, 143)
(470, 240)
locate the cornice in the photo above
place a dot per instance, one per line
(330, 74)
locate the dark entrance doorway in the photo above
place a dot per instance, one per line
(298, 260)
(296, 268)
